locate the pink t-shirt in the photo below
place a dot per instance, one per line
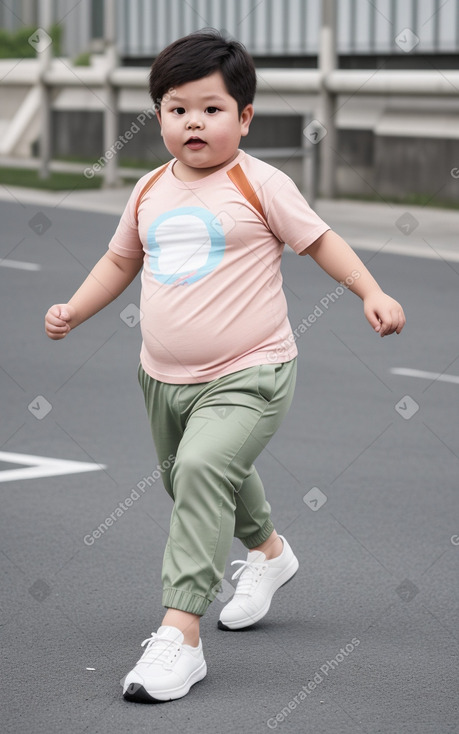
(212, 301)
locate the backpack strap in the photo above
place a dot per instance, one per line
(236, 175)
(240, 180)
(151, 181)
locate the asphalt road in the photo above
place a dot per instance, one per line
(362, 478)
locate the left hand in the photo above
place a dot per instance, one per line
(384, 313)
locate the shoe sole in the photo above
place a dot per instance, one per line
(136, 693)
(243, 624)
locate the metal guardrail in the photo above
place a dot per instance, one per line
(295, 81)
(326, 83)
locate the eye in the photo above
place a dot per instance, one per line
(179, 110)
(212, 110)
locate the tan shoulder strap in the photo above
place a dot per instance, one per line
(237, 176)
(151, 181)
(242, 183)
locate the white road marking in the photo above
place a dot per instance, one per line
(397, 248)
(425, 375)
(42, 466)
(18, 265)
(408, 250)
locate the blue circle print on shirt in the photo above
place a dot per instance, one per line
(185, 245)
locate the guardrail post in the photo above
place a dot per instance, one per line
(308, 165)
(43, 47)
(327, 63)
(111, 114)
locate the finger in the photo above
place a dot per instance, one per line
(64, 329)
(55, 310)
(385, 323)
(59, 311)
(56, 334)
(391, 323)
(401, 322)
(57, 327)
(54, 320)
(387, 328)
(374, 320)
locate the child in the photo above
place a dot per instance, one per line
(218, 358)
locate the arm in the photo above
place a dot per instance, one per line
(340, 261)
(106, 281)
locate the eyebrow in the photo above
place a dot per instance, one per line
(211, 95)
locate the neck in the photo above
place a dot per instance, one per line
(186, 173)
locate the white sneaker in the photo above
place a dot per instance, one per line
(166, 670)
(259, 579)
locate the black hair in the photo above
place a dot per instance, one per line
(198, 55)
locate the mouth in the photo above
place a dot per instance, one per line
(195, 143)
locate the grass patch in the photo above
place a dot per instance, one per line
(123, 162)
(61, 181)
(57, 181)
(16, 44)
(83, 59)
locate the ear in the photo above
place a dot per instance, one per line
(158, 117)
(245, 119)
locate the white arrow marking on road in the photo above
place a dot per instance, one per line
(42, 466)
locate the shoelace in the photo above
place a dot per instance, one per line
(248, 574)
(159, 650)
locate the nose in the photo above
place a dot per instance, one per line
(194, 123)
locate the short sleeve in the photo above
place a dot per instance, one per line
(290, 217)
(126, 241)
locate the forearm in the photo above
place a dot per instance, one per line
(334, 255)
(339, 260)
(106, 281)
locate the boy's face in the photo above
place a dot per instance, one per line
(201, 126)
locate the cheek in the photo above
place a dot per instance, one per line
(225, 135)
(169, 134)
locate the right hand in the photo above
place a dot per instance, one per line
(58, 320)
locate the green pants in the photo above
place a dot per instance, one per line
(215, 430)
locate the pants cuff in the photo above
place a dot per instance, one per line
(186, 601)
(251, 541)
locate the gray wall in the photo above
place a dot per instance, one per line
(416, 165)
(369, 164)
(80, 134)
